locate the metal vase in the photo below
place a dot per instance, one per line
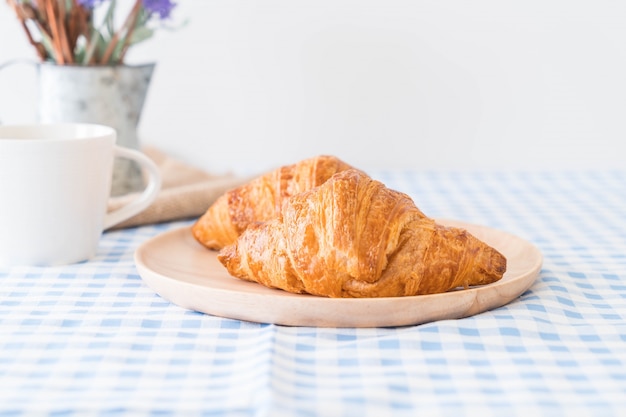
(108, 95)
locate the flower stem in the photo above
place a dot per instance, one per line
(63, 34)
(127, 28)
(23, 17)
(56, 42)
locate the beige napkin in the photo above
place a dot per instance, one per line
(186, 192)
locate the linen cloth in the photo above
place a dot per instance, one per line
(92, 339)
(186, 191)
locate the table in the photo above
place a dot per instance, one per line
(93, 340)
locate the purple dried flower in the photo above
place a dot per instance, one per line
(161, 7)
(89, 4)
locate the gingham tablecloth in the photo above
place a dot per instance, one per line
(93, 340)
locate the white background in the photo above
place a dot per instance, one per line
(485, 84)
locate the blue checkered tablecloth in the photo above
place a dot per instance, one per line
(93, 340)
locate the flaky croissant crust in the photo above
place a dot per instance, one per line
(261, 199)
(354, 237)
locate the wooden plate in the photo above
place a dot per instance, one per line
(182, 271)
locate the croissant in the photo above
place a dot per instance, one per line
(261, 199)
(354, 237)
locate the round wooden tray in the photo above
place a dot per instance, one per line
(182, 271)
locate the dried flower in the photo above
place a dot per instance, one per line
(89, 3)
(66, 31)
(162, 7)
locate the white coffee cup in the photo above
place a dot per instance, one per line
(55, 182)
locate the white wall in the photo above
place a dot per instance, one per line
(248, 85)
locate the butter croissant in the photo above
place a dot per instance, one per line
(354, 237)
(261, 199)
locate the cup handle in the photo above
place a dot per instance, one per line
(143, 200)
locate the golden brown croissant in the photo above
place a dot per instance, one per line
(261, 199)
(354, 237)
